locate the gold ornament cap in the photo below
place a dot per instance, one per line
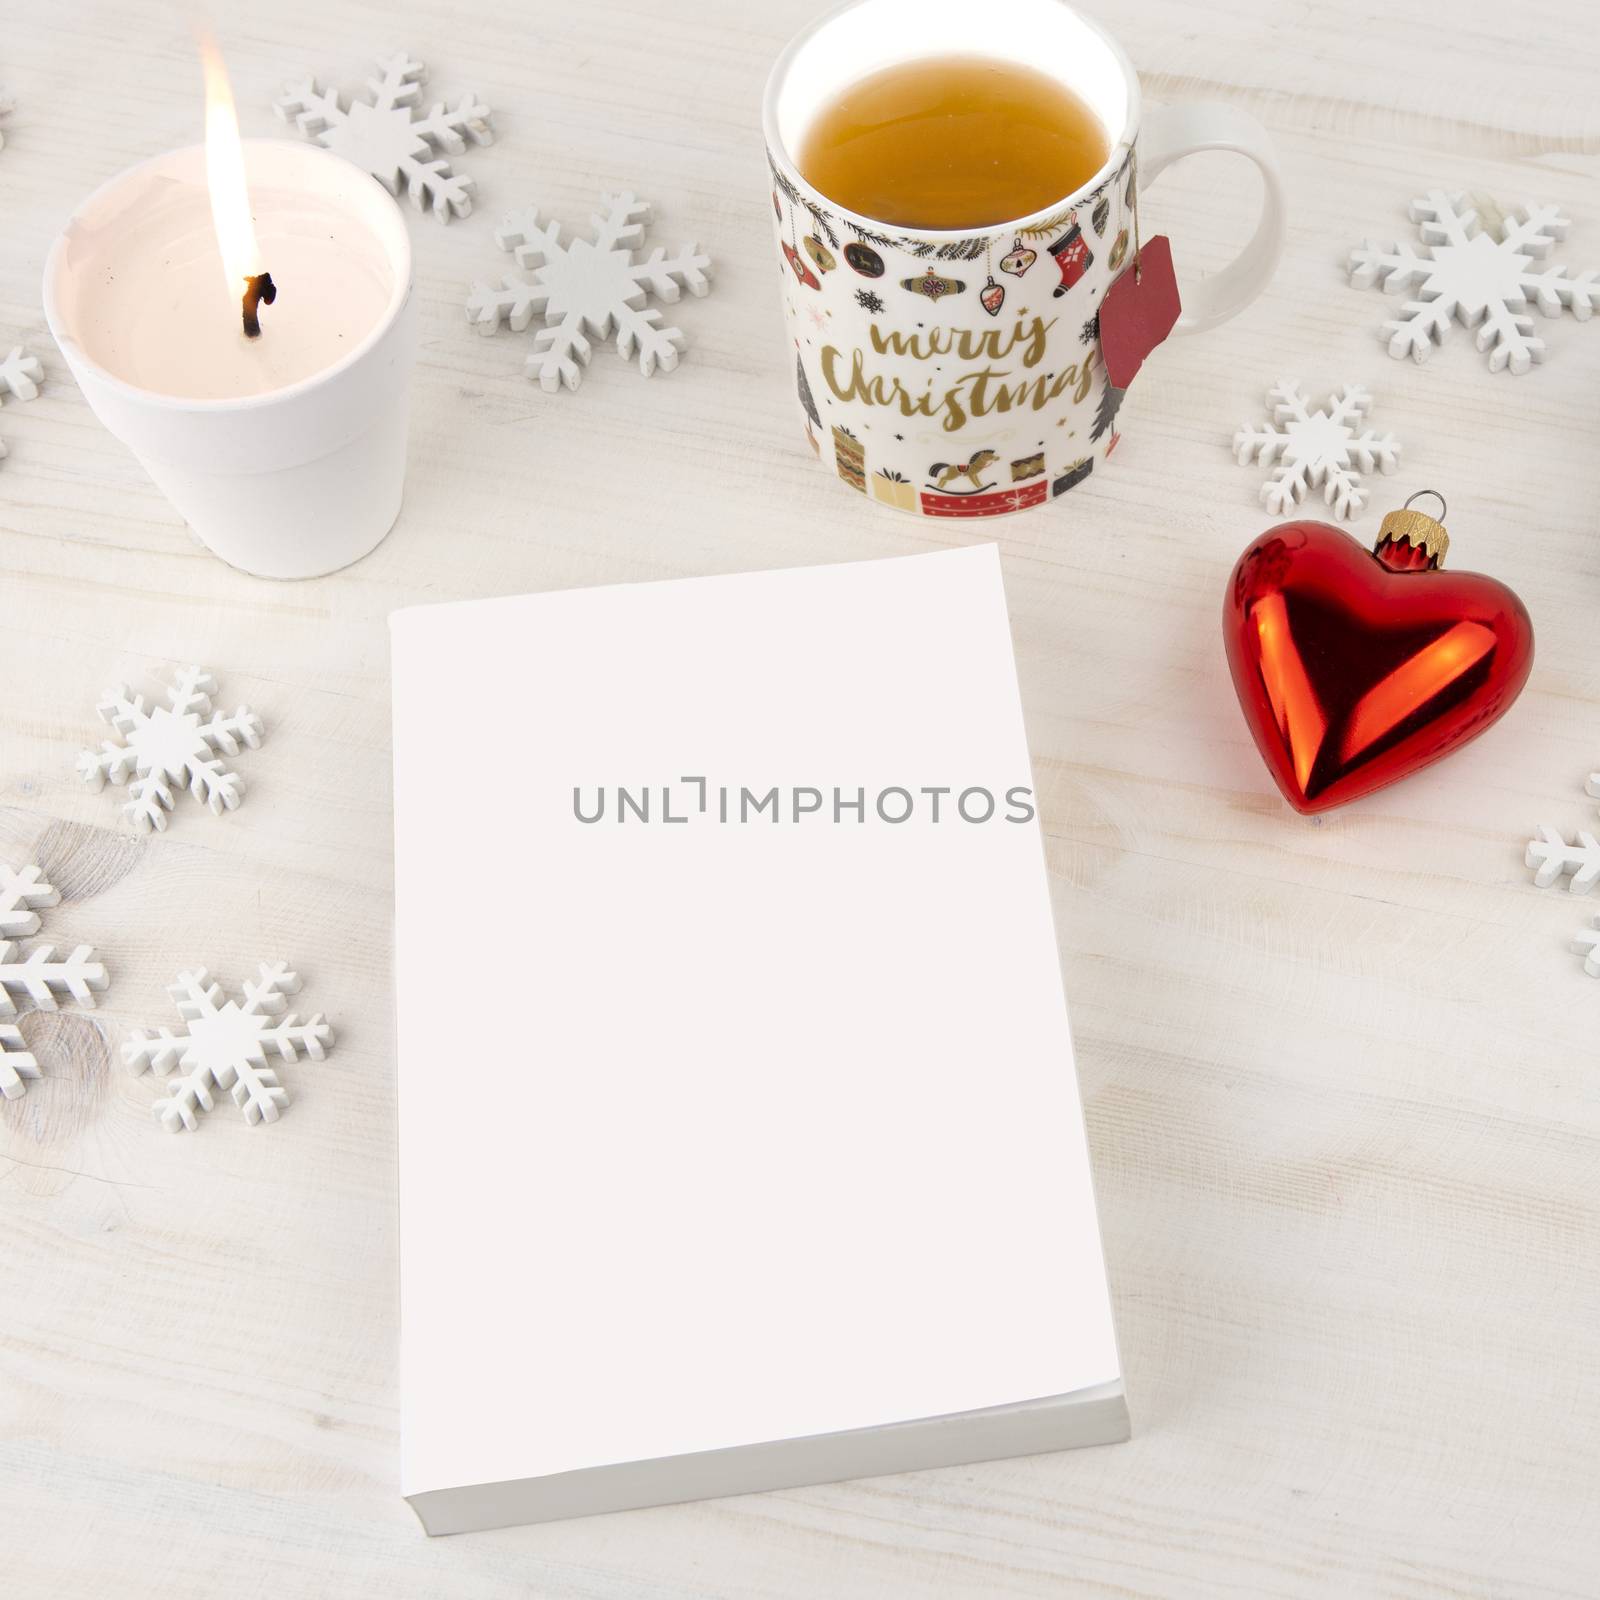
(1416, 528)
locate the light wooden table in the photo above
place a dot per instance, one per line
(1343, 1077)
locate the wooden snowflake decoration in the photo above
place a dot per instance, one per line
(1482, 280)
(389, 138)
(1553, 859)
(588, 287)
(1587, 943)
(174, 744)
(1309, 449)
(38, 977)
(20, 375)
(225, 1046)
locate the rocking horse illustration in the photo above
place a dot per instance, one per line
(944, 473)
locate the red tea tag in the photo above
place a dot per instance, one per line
(1138, 312)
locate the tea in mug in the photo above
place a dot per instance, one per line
(952, 142)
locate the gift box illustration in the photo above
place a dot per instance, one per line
(894, 489)
(850, 457)
(1073, 476)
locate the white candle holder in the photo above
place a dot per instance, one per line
(293, 482)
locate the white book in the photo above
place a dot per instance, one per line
(740, 1139)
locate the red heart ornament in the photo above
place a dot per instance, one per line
(1355, 668)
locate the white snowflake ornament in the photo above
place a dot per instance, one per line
(389, 139)
(20, 376)
(17, 1062)
(588, 286)
(225, 1046)
(1553, 859)
(1480, 280)
(1315, 449)
(1587, 943)
(39, 977)
(171, 744)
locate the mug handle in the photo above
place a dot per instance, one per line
(1171, 132)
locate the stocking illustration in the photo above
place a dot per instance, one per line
(1072, 258)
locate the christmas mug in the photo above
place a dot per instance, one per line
(960, 373)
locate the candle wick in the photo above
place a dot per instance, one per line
(258, 290)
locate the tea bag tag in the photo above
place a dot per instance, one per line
(1140, 309)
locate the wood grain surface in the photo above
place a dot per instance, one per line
(1342, 1076)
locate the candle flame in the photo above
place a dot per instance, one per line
(230, 196)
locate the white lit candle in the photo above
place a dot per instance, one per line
(285, 452)
(149, 303)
